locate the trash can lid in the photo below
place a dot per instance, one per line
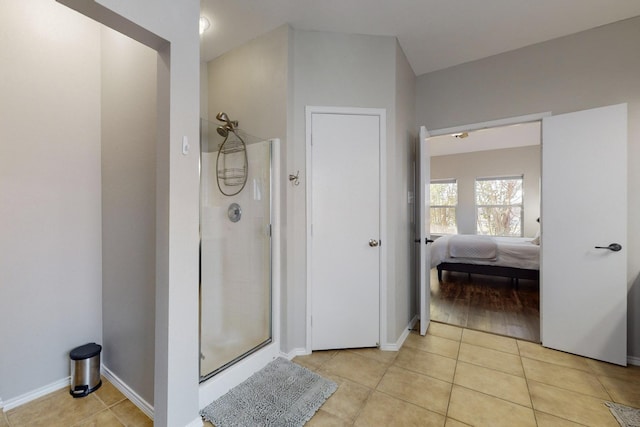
(85, 351)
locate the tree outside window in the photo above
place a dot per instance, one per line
(443, 203)
(499, 208)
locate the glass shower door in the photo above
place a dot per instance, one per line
(235, 257)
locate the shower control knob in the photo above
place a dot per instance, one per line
(373, 243)
(234, 212)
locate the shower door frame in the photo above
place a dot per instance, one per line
(218, 384)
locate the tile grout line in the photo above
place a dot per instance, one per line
(357, 415)
(591, 371)
(604, 387)
(117, 417)
(564, 389)
(375, 389)
(409, 403)
(419, 373)
(90, 416)
(526, 380)
(453, 378)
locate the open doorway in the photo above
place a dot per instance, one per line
(484, 211)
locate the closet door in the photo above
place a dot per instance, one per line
(344, 250)
(584, 233)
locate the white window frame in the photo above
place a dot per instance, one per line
(455, 207)
(498, 178)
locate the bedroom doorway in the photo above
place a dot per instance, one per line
(583, 308)
(463, 161)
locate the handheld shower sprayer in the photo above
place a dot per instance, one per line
(229, 125)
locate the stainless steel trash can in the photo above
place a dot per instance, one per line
(85, 369)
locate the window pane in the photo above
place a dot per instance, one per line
(500, 221)
(499, 191)
(443, 200)
(443, 193)
(443, 220)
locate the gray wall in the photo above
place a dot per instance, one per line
(467, 167)
(330, 70)
(50, 105)
(50, 260)
(344, 70)
(266, 85)
(588, 69)
(50, 257)
(128, 209)
(250, 84)
(169, 28)
(401, 275)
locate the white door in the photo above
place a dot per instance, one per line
(584, 187)
(423, 174)
(345, 230)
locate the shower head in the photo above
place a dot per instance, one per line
(229, 124)
(223, 131)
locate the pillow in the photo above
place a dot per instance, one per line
(536, 239)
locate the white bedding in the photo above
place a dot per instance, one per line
(517, 252)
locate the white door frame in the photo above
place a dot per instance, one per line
(382, 114)
(486, 125)
(491, 124)
(423, 201)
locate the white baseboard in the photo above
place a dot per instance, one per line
(398, 344)
(635, 361)
(296, 352)
(413, 322)
(33, 395)
(134, 397)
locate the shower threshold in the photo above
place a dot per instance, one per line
(232, 362)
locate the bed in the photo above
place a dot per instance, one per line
(513, 257)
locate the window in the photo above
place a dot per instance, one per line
(499, 210)
(444, 199)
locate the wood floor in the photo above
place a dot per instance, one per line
(487, 303)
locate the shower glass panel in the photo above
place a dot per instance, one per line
(235, 255)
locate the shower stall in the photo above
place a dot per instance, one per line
(237, 245)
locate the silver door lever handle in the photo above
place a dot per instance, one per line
(615, 247)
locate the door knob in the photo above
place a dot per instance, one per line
(615, 247)
(373, 243)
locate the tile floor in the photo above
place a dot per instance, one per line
(455, 377)
(106, 407)
(452, 377)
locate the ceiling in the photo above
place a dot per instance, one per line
(434, 34)
(519, 135)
